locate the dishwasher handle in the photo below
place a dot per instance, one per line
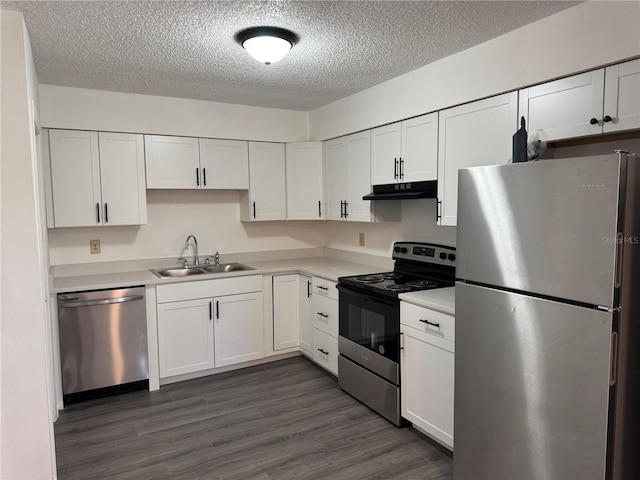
(106, 301)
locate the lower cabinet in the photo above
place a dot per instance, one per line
(238, 331)
(427, 371)
(286, 311)
(325, 350)
(325, 324)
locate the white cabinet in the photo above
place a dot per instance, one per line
(600, 101)
(97, 178)
(224, 164)
(172, 162)
(238, 329)
(266, 197)
(325, 324)
(185, 337)
(405, 151)
(471, 135)
(427, 371)
(305, 194)
(286, 311)
(306, 314)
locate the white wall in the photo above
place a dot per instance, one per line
(27, 449)
(588, 35)
(85, 109)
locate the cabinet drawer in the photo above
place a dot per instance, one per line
(325, 350)
(325, 314)
(440, 324)
(208, 288)
(325, 287)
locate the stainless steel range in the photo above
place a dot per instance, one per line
(369, 322)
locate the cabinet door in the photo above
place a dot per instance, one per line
(286, 312)
(565, 108)
(75, 178)
(267, 195)
(124, 196)
(336, 158)
(622, 96)
(224, 164)
(238, 328)
(304, 181)
(185, 337)
(359, 210)
(172, 162)
(419, 159)
(325, 350)
(427, 378)
(471, 135)
(386, 146)
(306, 326)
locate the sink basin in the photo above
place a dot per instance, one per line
(226, 267)
(201, 270)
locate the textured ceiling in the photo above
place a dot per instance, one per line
(186, 49)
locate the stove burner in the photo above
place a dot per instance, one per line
(423, 283)
(398, 288)
(391, 275)
(370, 278)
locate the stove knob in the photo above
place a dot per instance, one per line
(452, 257)
(443, 256)
(396, 249)
(403, 250)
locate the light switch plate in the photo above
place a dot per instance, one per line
(94, 245)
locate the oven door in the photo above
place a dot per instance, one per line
(371, 322)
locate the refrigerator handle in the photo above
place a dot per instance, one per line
(613, 365)
(618, 253)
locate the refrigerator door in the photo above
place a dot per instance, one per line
(531, 387)
(545, 227)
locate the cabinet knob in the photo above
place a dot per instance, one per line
(607, 118)
(593, 121)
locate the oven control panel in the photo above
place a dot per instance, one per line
(425, 252)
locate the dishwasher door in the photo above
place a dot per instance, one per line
(103, 339)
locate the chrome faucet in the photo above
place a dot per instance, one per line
(216, 259)
(196, 259)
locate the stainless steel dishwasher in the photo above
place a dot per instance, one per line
(103, 342)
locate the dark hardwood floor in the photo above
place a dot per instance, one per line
(279, 421)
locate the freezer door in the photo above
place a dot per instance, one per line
(531, 387)
(546, 227)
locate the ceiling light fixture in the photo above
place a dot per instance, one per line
(267, 44)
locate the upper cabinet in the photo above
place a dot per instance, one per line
(600, 101)
(305, 195)
(97, 178)
(471, 135)
(192, 163)
(405, 151)
(266, 197)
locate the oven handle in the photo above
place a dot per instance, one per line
(367, 296)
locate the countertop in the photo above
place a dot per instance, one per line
(325, 267)
(439, 299)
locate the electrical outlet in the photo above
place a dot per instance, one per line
(362, 239)
(94, 245)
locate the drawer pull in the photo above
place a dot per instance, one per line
(323, 314)
(430, 323)
(323, 351)
(322, 288)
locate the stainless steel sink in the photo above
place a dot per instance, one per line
(201, 270)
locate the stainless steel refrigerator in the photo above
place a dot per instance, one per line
(548, 320)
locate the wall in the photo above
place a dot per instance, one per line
(588, 35)
(27, 449)
(85, 109)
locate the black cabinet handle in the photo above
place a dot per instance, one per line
(323, 351)
(322, 288)
(97, 213)
(217, 309)
(204, 177)
(395, 168)
(106, 213)
(323, 314)
(438, 214)
(346, 212)
(401, 169)
(430, 323)
(197, 178)
(254, 209)
(319, 209)
(593, 121)
(210, 310)
(308, 288)
(607, 118)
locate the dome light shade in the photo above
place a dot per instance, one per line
(267, 44)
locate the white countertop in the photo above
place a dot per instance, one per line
(439, 299)
(325, 267)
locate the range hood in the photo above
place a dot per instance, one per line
(404, 191)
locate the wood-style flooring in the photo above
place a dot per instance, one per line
(280, 421)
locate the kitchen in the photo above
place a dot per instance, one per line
(171, 212)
